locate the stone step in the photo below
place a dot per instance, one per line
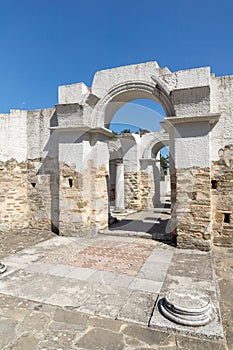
(138, 234)
(125, 233)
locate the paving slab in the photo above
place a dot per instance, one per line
(161, 256)
(69, 292)
(101, 340)
(104, 277)
(7, 331)
(154, 271)
(81, 273)
(138, 307)
(39, 267)
(146, 285)
(122, 281)
(60, 270)
(150, 336)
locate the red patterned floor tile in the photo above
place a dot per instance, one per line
(126, 258)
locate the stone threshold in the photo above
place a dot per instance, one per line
(136, 234)
(123, 233)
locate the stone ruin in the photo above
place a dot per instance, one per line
(55, 163)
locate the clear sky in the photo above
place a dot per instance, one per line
(47, 43)
(138, 114)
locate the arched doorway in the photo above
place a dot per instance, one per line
(138, 184)
(121, 94)
(135, 126)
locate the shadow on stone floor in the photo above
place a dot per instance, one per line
(157, 228)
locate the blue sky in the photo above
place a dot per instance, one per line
(47, 43)
(138, 114)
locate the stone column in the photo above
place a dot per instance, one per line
(148, 166)
(108, 188)
(120, 192)
(157, 181)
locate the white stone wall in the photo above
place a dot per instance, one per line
(188, 78)
(38, 132)
(24, 134)
(105, 79)
(222, 101)
(192, 145)
(13, 136)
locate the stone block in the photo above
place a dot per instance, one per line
(73, 93)
(70, 115)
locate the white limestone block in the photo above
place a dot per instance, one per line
(193, 78)
(104, 80)
(74, 93)
(192, 145)
(13, 135)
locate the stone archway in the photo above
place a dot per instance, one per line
(141, 81)
(153, 143)
(123, 93)
(186, 99)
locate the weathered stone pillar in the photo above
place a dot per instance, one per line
(190, 176)
(148, 166)
(132, 175)
(120, 193)
(157, 201)
(83, 160)
(109, 190)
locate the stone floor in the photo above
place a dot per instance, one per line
(102, 293)
(150, 223)
(105, 276)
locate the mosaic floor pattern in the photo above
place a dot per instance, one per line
(126, 258)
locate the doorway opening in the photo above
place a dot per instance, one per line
(139, 170)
